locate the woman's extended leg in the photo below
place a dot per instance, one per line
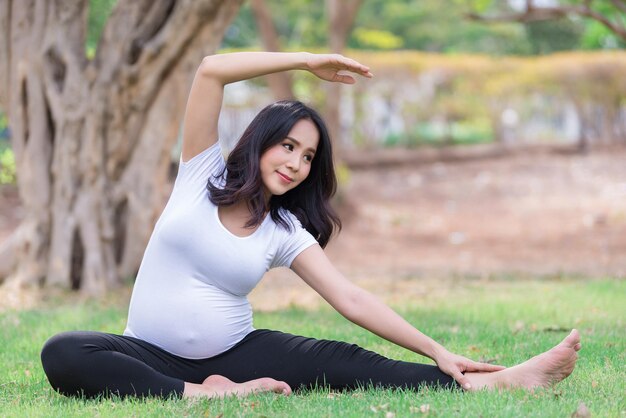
(307, 362)
(94, 363)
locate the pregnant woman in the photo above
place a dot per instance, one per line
(227, 222)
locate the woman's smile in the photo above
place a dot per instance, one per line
(285, 178)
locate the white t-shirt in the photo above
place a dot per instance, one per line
(190, 293)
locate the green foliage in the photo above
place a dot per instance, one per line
(427, 25)
(464, 132)
(4, 122)
(506, 321)
(242, 32)
(598, 36)
(343, 174)
(569, 33)
(299, 23)
(376, 39)
(436, 26)
(99, 11)
(551, 36)
(7, 166)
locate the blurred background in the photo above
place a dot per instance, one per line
(491, 142)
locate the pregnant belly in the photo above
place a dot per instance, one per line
(201, 325)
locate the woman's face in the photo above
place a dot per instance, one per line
(287, 164)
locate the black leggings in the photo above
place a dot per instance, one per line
(94, 363)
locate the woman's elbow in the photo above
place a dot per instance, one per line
(207, 66)
(351, 305)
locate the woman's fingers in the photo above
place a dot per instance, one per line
(321, 65)
(483, 367)
(343, 78)
(461, 380)
(358, 68)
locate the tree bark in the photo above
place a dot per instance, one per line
(341, 15)
(279, 83)
(92, 137)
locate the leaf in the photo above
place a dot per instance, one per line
(581, 412)
(379, 407)
(555, 328)
(422, 409)
(519, 326)
(251, 405)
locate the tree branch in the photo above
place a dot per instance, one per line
(531, 14)
(8, 255)
(140, 60)
(5, 52)
(279, 83)
(535, 14)
(620, 4)
(341, 15)
(619, 30)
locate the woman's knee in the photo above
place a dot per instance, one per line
(61, 356)
(60, 347)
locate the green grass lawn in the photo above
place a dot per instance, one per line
(503, 320)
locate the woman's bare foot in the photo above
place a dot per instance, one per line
(216, 386)
(543, 370)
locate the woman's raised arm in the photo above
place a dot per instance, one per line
(215, 71)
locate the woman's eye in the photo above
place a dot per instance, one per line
(308, 158)
(288, 146)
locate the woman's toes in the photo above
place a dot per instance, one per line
(281, 388)
(286, 389)
(577, 347)
(573, 338)
(278, 387)
(267, 384)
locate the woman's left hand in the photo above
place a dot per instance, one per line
(455, 365)
(329, 67)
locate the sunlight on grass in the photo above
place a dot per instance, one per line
(501, 321)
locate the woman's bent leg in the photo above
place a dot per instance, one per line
(307, 362)
(93, 363)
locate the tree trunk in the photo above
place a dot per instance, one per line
(279, 83)
(341, 15)
(583, 138)
(92, 137)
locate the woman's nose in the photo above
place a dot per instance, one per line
(294, 163)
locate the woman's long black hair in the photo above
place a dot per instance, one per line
(309, 201)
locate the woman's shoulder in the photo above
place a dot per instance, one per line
(288, 216)
(208, 163)
(211, 153)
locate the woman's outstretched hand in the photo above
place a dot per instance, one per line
(328, 67)
(455, 365)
